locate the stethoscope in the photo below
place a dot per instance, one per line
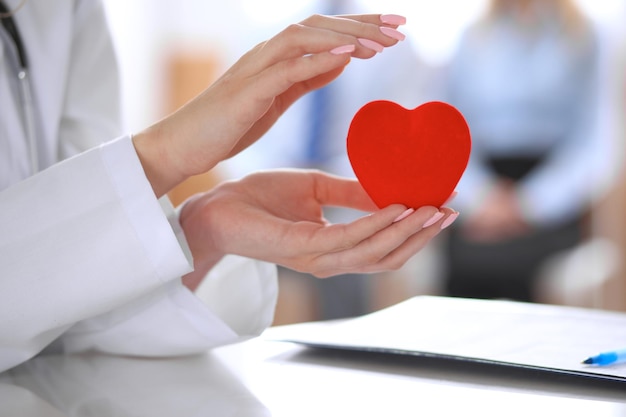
(24, 82)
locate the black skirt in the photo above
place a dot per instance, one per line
(508, 268)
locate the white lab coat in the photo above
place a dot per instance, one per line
(89, 258)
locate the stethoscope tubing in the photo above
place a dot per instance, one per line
(25, 88)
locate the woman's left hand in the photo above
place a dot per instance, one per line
(276, 216)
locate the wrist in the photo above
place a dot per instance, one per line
(196, 226)
(156, 160)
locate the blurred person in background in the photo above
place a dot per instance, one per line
(526, 78)
(322, 120)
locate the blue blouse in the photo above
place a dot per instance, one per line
(530, 93)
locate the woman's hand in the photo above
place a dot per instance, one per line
(276, 216)
(246, 101)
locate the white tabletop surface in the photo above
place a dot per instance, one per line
(266, 378)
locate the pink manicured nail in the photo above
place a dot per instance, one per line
(392, 33)
(451, 218)
(434, 219)
(344, 49)
(369, 44)
(393, 19)
(404, 215)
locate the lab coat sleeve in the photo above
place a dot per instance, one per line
(79, 239)
(93, 262)
(235, 302)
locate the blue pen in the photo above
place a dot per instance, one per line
(607, 358)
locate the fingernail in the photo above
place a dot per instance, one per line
(392, 33)
(451, 218)
(344, 49)
(369, 44)
(393, 19)
(406, 214)
(434, 219)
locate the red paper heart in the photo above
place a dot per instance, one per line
(411, 157)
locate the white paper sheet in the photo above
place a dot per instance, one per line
(545, 337)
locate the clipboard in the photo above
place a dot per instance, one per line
(540, 337)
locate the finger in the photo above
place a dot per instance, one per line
(300, 40)
(359, 26)
(369, 239)
(283, 86)
(391, 20)
(399, 256)
(322, 33)
(380, 245)
(395, 255)
(339, 237)
(332, 190)
(312, 42)
(301, 74)
(299, 89)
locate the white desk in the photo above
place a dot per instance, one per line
(264, 378)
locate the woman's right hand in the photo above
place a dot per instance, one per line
(246, 101)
